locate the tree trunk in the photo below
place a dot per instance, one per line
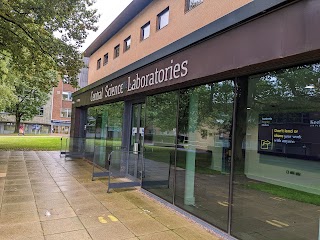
(241, 123)
(18, 120)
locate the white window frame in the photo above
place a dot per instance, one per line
(143, 31)
(67, 111)
(191, 4)
(163, 19)
(68, 96)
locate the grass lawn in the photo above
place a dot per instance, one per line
(42, 143)
(285, 192)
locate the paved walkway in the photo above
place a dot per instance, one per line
(45, 197)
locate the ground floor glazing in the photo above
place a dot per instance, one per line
(241, 154)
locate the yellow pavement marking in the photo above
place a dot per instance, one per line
(225, 204)
(113, 218)
(277, 223)
(102, 220)
(282, 223)
(274, 224)
(277, 198)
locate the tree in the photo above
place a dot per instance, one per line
(46, 34)
(6, 89)
(32, 92)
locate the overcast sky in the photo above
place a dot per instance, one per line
(108, 10)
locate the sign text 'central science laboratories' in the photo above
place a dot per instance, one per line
(174, 71)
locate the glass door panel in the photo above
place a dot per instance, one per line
(136, 140)
(159, 144)
(204, 151)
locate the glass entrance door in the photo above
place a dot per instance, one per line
(136, 140)
(137, 128)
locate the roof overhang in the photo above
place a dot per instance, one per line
(130, 12)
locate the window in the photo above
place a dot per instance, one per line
(145, 31)
(66, 79)
(190, 4)
(99, 63)
(163, 19)
(127, 44)
(67, 96)
(66, 113)
(40, 111)
(117, 51)
(105, 59)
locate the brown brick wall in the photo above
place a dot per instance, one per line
(58, 103)
(181, 23)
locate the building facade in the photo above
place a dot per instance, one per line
(221, 100)
(55, 115)
(40, 124)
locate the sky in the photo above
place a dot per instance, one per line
(108, 10)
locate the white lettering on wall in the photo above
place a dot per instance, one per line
(159, 76)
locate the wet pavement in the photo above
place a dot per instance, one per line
(42, 196)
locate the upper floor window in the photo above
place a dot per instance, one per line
(99, 63)
(41, 110)
(127, 44)
(67, 96)
(145, 31)
(117, 51)
(66, 79)
(66, 113)
(192, 4)
(163, 19)
(105, 59)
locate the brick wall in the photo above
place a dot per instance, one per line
(58, 102)
(181, 23)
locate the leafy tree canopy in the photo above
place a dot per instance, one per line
(45, 34)
(31, 92)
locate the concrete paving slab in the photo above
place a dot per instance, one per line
(18, 199)
(53, 199)
(111, 232)
(89, 208)
(18, 217)
(61, 225)
(167, 235)
(173, 221)
(25, 230)
(135, 214)
(145, 226)
(74, 235)
(95, 220)
(118, 205)
(18, 207)
(55, 213)
(195, 234)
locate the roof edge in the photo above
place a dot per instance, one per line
(239, 16)
(130, 12)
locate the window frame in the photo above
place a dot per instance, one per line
(67, 111)
(41, 112)
(125, 45)
(65, 79)
(142, 31)
(105, 59)
(115, 51)
(166, 10)
(188, 7)
(69, 97)
(98, 63)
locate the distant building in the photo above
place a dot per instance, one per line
(55, 115)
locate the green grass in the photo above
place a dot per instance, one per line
(37, 143)
(166, 154)
(284, 192)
